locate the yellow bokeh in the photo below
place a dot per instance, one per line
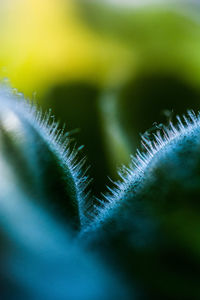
(45, 42)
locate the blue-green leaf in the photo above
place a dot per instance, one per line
(35, 156)
(149, 223)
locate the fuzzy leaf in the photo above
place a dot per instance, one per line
(150, 222)
(40, 259)
(35, 157)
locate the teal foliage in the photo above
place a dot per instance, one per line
(149, 221)
(41, 190)
(38, 152)
(41, 260)
(141, 241)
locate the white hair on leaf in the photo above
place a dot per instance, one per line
(162, 141)
(46, 126)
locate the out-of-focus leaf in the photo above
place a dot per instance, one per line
(46, 42)
(164, 37)
(76, 104)
(39, 258)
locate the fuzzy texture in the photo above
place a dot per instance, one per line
(132, 176)
(149, 223)
(42, 150)
(40, 258)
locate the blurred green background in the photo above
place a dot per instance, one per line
(108, 69)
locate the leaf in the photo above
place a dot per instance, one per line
(149, 224)
(40, 182)
(35, 158)
(41, 260)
